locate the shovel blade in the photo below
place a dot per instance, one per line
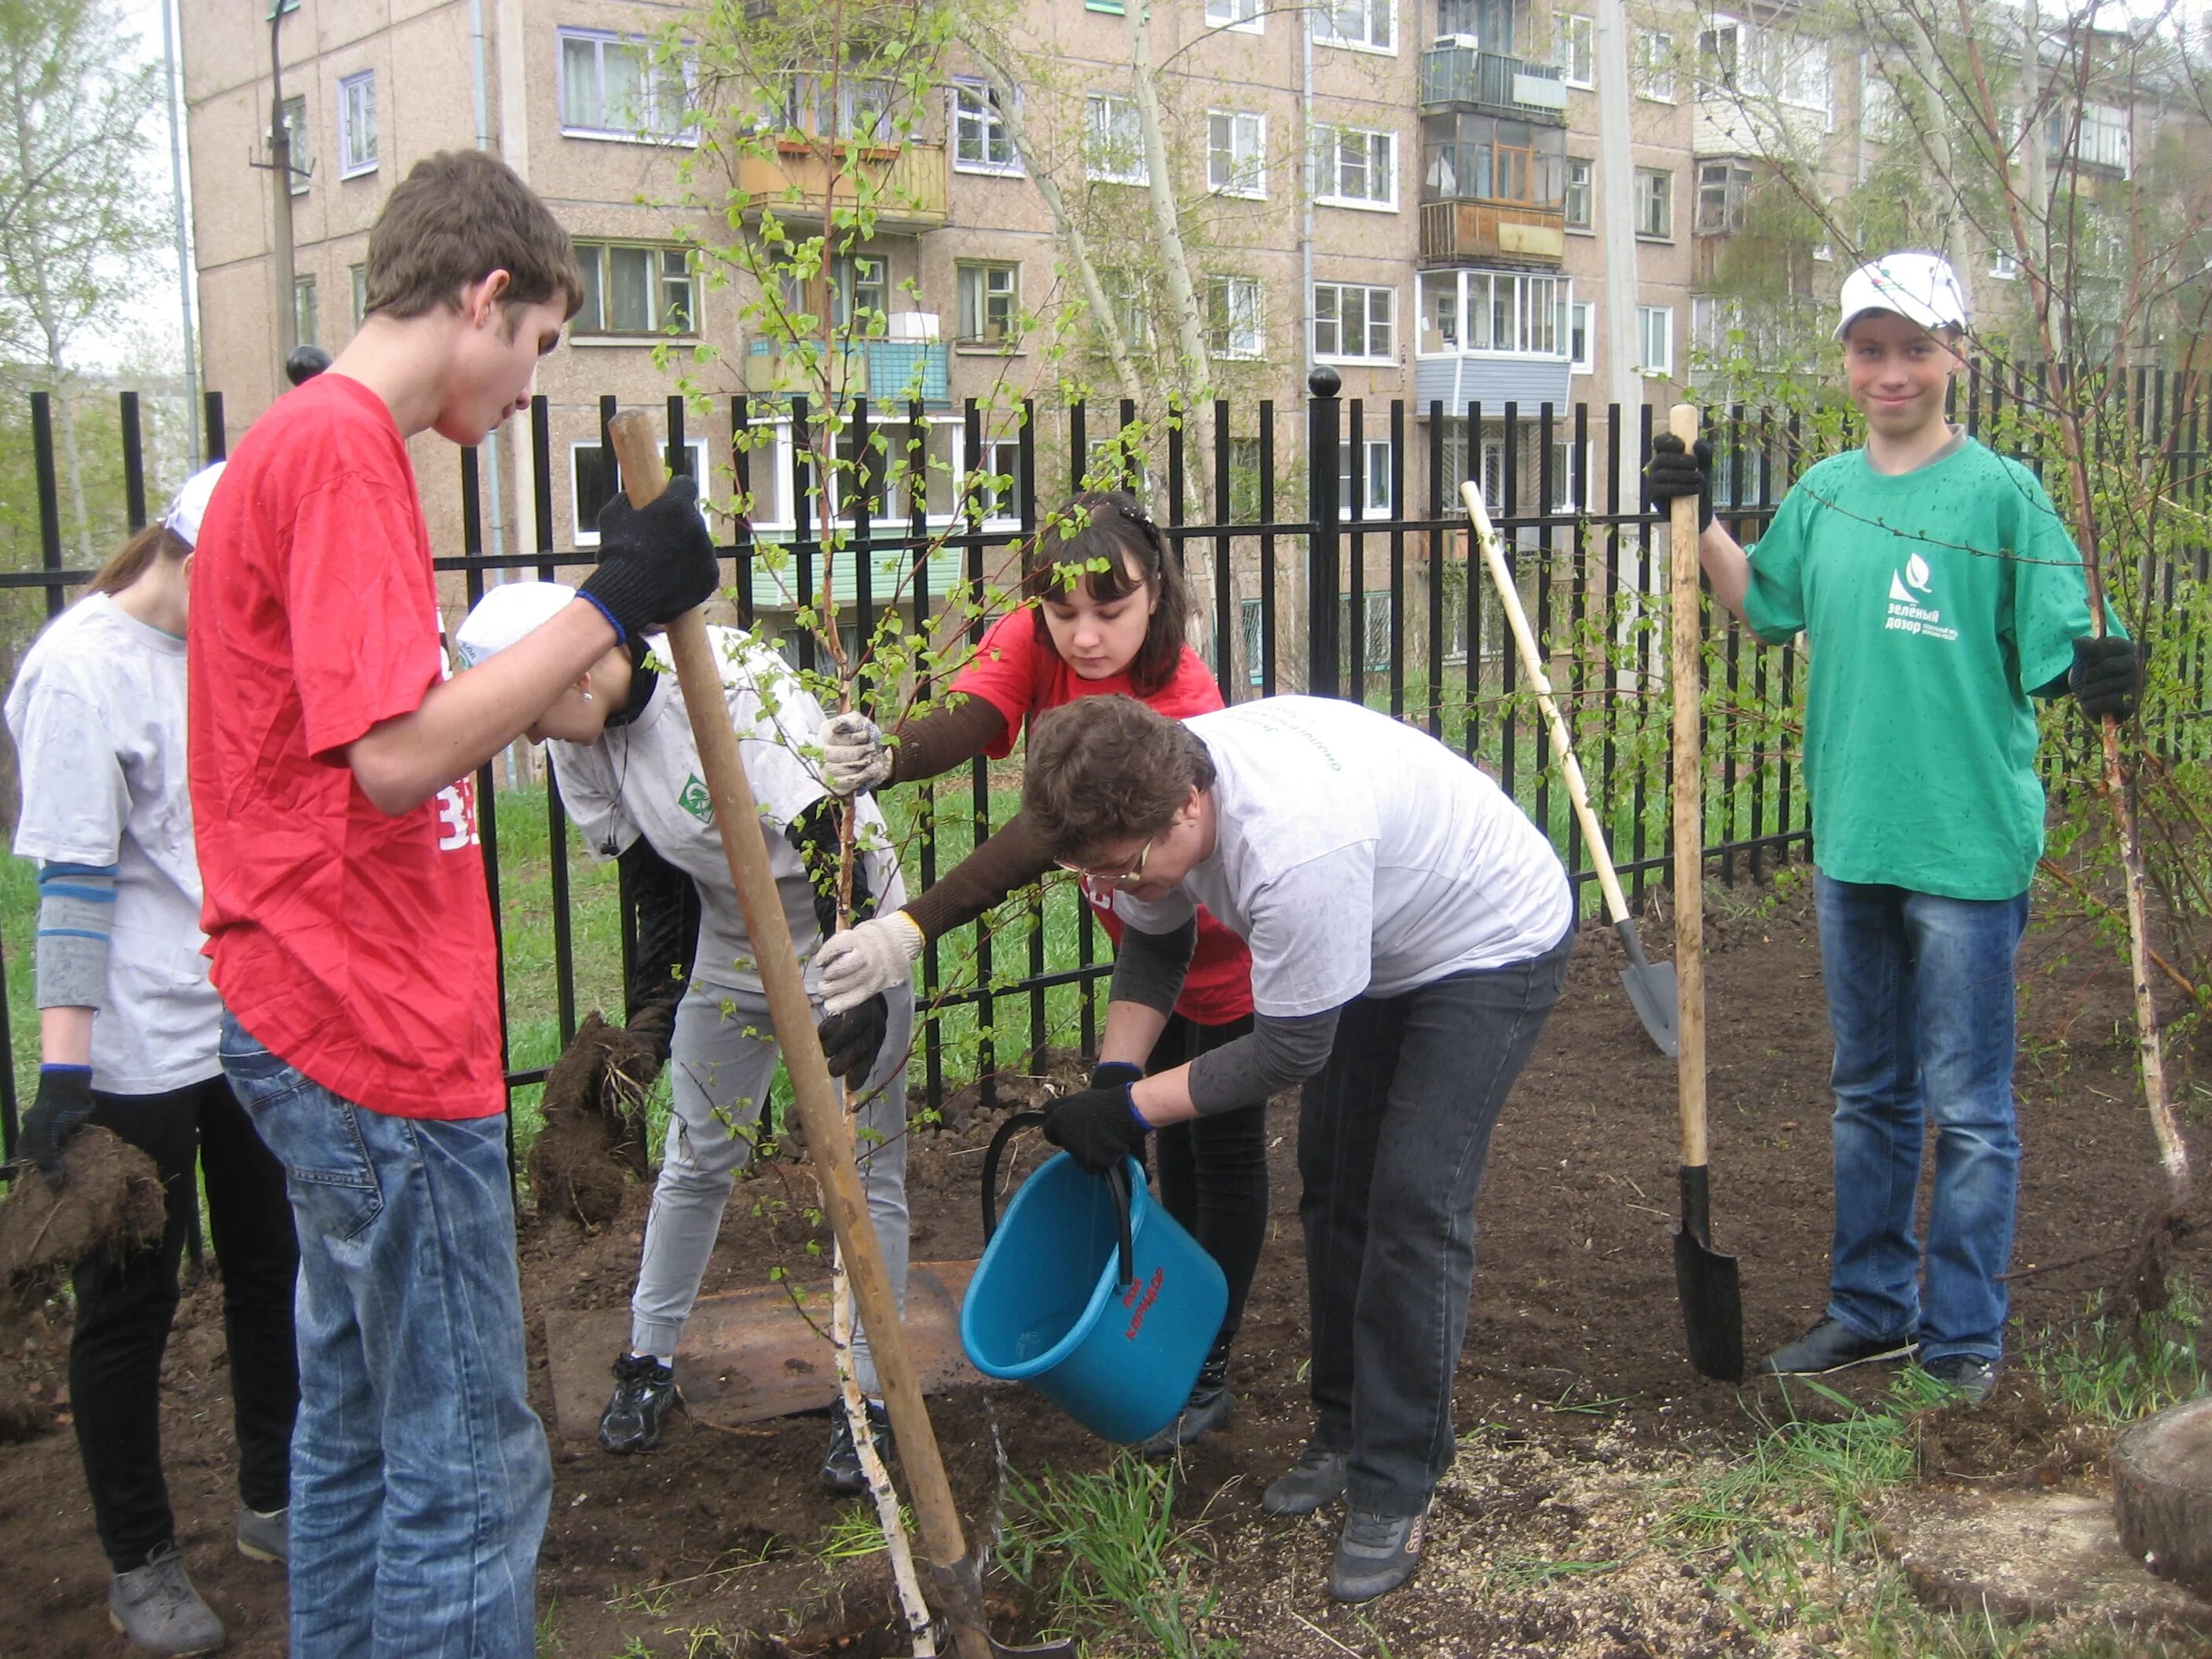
(1713, 1308)
(1653, 993)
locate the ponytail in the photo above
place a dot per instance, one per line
(135, 557)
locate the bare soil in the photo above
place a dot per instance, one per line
(1575, 1403)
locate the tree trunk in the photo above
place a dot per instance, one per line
(2162, 1493)
(1167, 215)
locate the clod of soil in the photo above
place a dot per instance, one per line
(592, 1145)
(2016, 1439)
(112, 1202)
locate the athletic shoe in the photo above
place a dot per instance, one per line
(842, 1474)
(1317, 1478)
(645, 1391)
(1831, 1346)
(1375, 1554)
(1207, 1410)
(265, 1537)
(157, 1608)
(1972, 1379)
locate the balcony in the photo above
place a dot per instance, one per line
(888, 373)
(1492, 81)
(906, 182)
(1472, 231)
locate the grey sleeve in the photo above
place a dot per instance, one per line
(1149, 968)
(77, 914)
(1274, 1055)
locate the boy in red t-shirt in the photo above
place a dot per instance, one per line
(348, 921)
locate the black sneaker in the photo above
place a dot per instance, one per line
(1972, 1379)
(842, 1474)
(1317, 1478)
(1207, 1410)
(645, 1391)
(1375, 1554)
(1831, 1346)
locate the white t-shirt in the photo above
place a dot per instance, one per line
(98, 715)
(645, 779)
(1355, 854)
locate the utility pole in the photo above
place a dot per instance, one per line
(172, 87)
(280, 172)
(1616, 194)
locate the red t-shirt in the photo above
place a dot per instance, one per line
(1022, 677)
(357, 947)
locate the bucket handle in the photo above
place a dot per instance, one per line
(1117, 1182)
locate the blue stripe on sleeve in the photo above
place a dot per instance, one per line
(58, 869)
(70, 932)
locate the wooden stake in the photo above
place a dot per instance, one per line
(1685, 671)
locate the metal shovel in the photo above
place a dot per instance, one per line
(1652, 988)
(1705, 1279)
(956, 1572)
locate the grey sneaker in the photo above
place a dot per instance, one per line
(264, 1536)
(1375, 1554)
(1971, 1379)
(1317, 1478)
(157, 1608)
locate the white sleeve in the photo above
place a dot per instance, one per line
(1160, 915)
(589, 793)
(76, 801)
(1312, 934)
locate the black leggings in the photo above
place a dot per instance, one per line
(1213, 1170)
(124, 1306)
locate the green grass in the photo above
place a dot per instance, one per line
(2091, 1369)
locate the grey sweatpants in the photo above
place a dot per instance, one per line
(722, 1055)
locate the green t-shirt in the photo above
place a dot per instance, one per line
(1934, 602)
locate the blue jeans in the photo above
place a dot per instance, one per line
(420, 1475)
(1920, 996)
(1393, 1134)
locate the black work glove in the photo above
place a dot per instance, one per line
(65, 1102)
(851, 1041)
(655, 563)
(1670, 472)
(2107, 676)
(1097, 1127)
(1109, 1074)
(813, 835)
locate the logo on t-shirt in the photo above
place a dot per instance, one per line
(696, 800)
(1912, 602)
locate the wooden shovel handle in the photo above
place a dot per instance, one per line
(1683, 670)
(637, 450)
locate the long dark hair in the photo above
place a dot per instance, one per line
(1110, 525)
(135, 557)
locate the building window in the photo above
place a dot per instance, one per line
(306, 314)
(1762, 63)
(1114, 140)
(591, 483)
(1354, 321)
(636, 289)
(1111, 8)
(1363, 25)
(1235, 153)
(858, 297)
(295, 136)
(2003, 265)
(359, 274)
(1244, 479)
(1232, 317)
(988, 293)
(1124, 296)
(1466, 310)
(1569, 476)
(1245, 14)
(1574, 44)
(1721, 188)
(1654, 203)
(1653, 70)
(2103, 139)
(1356, 167)
(1371, 479)
(612, 88)
(1374, 637)
(980, 140)
(357, 124)
(1582, 324)
(1655, 330)
(848, 107)
(1577, 201)
(994, 481)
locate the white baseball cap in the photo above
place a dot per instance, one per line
(1920, 288)
(507, 613)
(183, 518)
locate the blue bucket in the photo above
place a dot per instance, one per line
(1093, 1295)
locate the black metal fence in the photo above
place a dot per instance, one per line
(1330, 558)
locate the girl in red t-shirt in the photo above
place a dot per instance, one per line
(1119, 629)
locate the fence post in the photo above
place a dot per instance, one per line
(1322, 442)
(50, 502)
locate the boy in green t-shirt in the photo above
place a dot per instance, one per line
(1938, 592)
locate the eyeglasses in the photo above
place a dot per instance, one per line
(1128, 877)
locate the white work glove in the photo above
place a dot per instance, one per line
(853, 757)
(857, 963)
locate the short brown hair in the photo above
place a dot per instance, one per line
(457, 216)
(1107, 769)
(1110, 527)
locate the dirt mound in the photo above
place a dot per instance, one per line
(592, 1145)
(2016, 1439)
(112, 1202)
